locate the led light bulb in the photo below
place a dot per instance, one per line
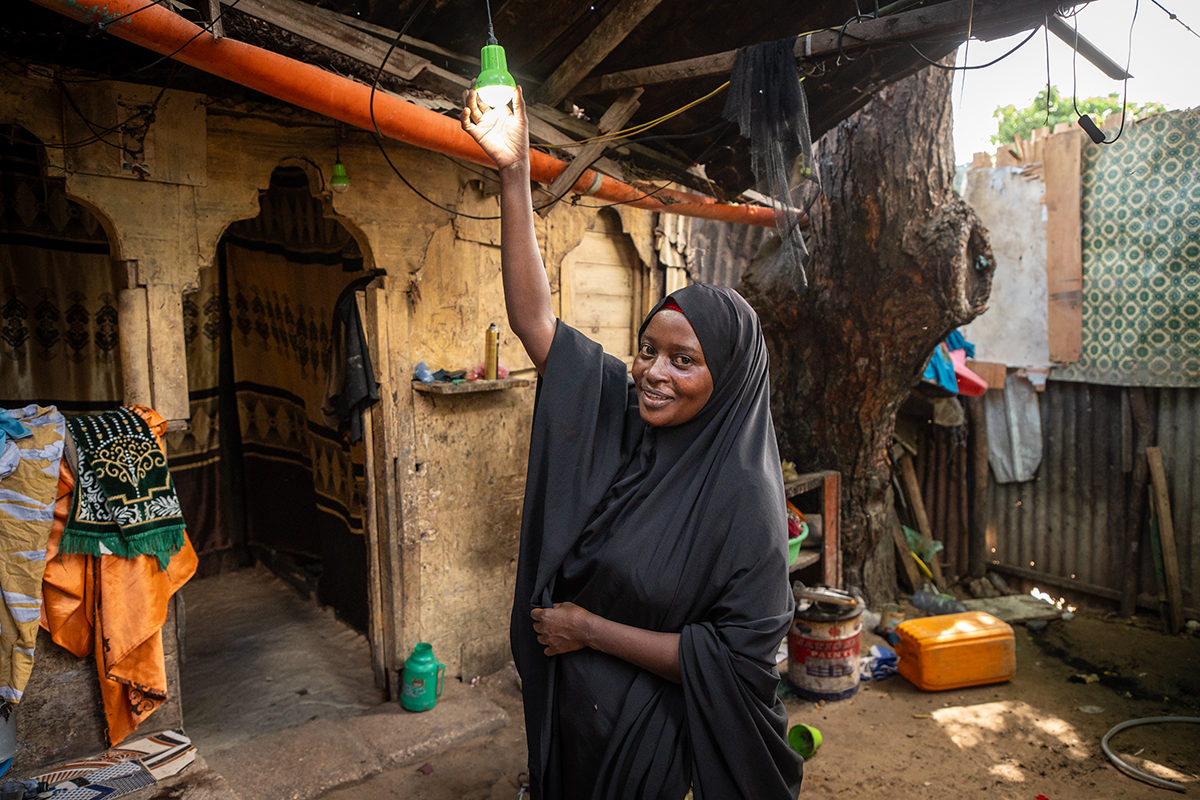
(494, 86)
(340, 181)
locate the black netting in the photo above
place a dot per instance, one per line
(767, 102)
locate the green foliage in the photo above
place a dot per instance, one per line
(1022, 122)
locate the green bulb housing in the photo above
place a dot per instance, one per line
(339, 181)
(495, 86)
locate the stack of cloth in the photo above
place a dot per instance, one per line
(116, 555)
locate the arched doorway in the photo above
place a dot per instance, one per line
(59, 342)
(268, 477)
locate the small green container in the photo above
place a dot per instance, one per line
(421, 679)
(805, 740)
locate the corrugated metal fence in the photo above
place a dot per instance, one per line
(1064, 529)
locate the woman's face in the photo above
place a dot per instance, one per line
(672, 379)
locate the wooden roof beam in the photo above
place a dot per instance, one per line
(306, 21)
(945, 21)
(616, 116)
(611, 31)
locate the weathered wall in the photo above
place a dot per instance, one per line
(450, 483)
(1014, 330)
(62, 716)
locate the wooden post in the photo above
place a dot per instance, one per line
(912, 488)
(831, 501)
(168, 354)
(1064, 246)
(1132, 539)
(399, 562)
(977, 550)
(376, 635)
(908, 568)
(1166, 532)
(134, 329)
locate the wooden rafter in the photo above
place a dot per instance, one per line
(212, 10)
(303, 20)
(607, 35)
(946, 21)
(616, 116)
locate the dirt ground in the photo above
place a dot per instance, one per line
(1035, 736)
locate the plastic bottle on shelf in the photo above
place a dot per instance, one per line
(936, 603)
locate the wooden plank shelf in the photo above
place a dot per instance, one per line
(829, 483)
(806, 482)
(467, 387)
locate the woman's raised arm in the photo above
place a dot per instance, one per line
(503, 133)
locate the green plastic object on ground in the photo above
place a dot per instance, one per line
(805, 740)
(422, 679)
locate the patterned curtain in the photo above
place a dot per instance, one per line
(258, 344)
(58, 300)
(1141, 256)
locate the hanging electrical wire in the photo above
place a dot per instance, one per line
(377, 134)
(1085, 121)
(992, 63)
(616, 136)
(97, 28)
(1175, 17)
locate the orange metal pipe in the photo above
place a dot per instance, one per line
(310, 87)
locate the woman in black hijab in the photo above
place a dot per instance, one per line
(652, 589)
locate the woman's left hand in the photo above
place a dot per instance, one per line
(563, 628)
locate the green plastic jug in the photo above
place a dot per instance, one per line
(422, 681)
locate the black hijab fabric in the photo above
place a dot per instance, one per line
(679, 529)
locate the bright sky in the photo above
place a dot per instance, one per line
(1165, 63)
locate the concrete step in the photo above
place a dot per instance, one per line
(301, 763)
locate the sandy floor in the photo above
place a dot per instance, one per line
(1015, 740)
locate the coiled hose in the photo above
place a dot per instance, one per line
(1161, 783)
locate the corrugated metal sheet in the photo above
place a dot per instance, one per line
(1068, 522)
(719, 252)
(942, 469)
(1178, 434)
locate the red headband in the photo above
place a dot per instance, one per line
(671, 304)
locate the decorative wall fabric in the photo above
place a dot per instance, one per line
(1141, 256)
(294, 484)
(58, 300)
(27, 498)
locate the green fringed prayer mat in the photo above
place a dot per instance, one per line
(124, 502)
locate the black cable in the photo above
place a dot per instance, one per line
(933, 63)
(377, 135)
(1173, 16)
(205, 28)
(673, 136)
(1046, 28)
(1085, 121)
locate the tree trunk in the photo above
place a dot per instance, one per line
(898, 262)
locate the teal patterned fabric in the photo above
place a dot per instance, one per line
(1141, 256)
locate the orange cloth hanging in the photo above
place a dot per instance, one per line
(114, 607)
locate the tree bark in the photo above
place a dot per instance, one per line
(898, 261)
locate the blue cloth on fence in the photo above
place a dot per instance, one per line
(940, 370)
(956, 341)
